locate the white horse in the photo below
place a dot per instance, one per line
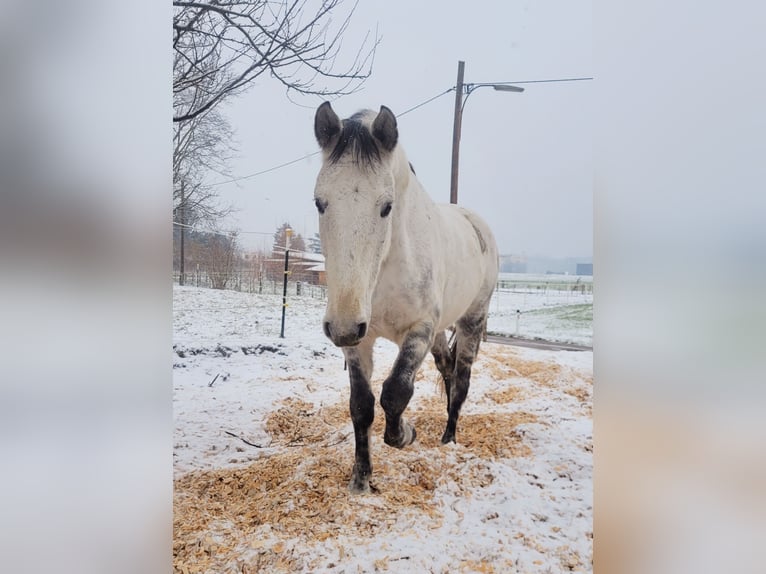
(398, 266)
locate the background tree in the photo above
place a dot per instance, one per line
(221, 46)
(200, 146)
(276, 264)
(280, 235)
(315, 244)
(221, 259)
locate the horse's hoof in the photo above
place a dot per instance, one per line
(406, 436)
(448, 437)
(358, 486)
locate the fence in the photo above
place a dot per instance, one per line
(248, 282)
(542, 286)
(535, 308)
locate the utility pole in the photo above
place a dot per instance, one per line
(456, 131)
(461, 88)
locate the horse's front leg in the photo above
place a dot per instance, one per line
(400, 384)
(362, 407)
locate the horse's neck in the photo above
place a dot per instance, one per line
(401, 170)
(415, 210)
(408, 187)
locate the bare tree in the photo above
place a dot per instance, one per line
(201, 145)
(256, 264)
(221, 46)
(221, 259)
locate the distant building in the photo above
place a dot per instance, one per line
(584, 269)
(513, 264)
(304, 266)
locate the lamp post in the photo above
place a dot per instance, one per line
(466, 89)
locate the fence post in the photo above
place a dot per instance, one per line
(284, 284)
(518, 314)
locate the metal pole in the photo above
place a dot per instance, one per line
(288, 232)
(183, 232)
(456, 131)
(284, 294)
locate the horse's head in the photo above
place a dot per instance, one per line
(355, 196)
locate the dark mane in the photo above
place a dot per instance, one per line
(356, 140)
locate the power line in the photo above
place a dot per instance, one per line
(276, 167)
(539, 81)
(428, 101)
(280, 166)
(412, 109)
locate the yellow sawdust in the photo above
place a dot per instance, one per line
(296, 495)
(302, 492)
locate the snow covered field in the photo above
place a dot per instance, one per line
(263, 449)
(560, 317)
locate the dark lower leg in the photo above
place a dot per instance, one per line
(399, 386)
(444, 358)
(362, 409)
(456, 400)
(362, 406)
(469, 339)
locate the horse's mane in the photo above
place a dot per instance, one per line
(355, 138)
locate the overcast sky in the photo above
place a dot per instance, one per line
(525, 159)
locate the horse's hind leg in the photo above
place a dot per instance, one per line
(400, 384)
(362, 407)
(470, 329)
(444, 358)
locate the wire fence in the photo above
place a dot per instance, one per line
(302, 284)
(537, 286)
(248, 282)
(555, 309)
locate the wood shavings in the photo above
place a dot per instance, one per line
(302, 492)
(297, 497)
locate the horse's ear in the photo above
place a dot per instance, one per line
(384, 128)
(326, 125)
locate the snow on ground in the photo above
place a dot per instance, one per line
(563, 314)
(263, 448)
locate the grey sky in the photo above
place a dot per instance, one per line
(525, 159)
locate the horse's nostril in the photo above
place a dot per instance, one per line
(326, 327)
(362, 331)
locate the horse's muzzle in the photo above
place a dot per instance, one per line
(342, 338)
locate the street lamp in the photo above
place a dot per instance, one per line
(460, 89)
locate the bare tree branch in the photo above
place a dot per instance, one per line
(222, 46)
(200, 146)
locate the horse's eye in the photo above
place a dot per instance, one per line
(320, 206)
(386, 209)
